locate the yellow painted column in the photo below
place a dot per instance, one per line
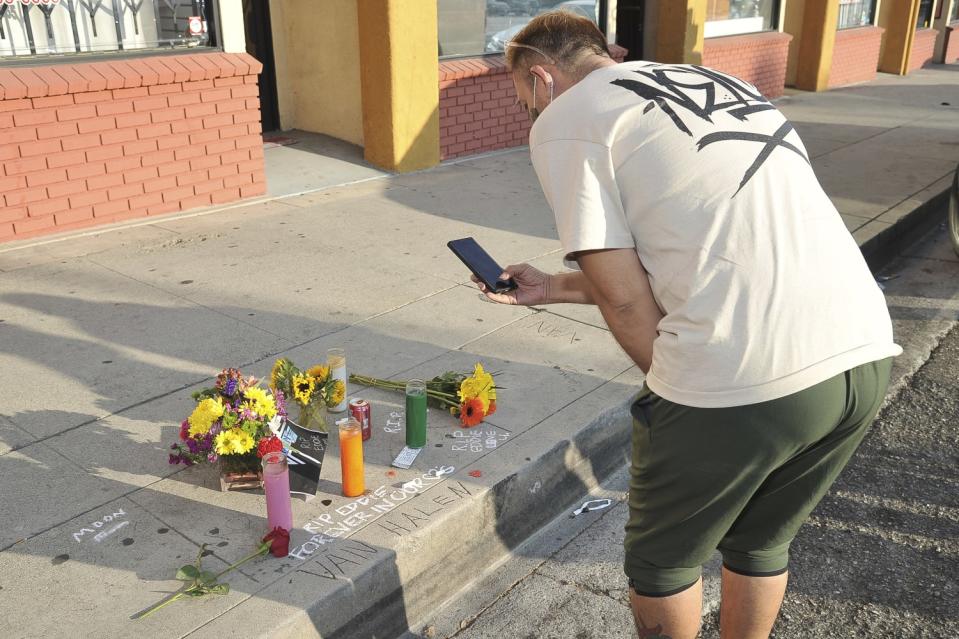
(399, 78)
(679, 31)
(898, 18)
(816, 44)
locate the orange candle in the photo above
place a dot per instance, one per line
(351, 457)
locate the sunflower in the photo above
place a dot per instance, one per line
(303, 386)
(319, 371)
(472, 413)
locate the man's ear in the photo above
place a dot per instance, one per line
(542, 74)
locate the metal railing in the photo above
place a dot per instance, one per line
(44, 27)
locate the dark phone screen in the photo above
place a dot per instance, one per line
(479, 261)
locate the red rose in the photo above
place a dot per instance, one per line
(271, 444)
(279, 542)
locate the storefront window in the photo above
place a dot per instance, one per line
(475, 27)
(925, 14)
(731, 17)
(955, 12)
(51, 27)
(855, 13)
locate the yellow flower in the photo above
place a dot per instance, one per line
(234, 441)
(486, 380)
(320, 372)
(479, 385)
(303, 386)
(339, 391)
(204, 415)
(259, 402)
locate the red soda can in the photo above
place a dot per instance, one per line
(360, 410)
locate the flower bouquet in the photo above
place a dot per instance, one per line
(230, 426)
(314, 391)
(472, 398)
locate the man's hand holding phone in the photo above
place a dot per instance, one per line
(532, 286)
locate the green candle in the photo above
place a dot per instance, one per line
(416, 413)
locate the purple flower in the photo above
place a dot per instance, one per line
(280, 401)
(174, 459)
(192, 445)
(212, 458)
(230, 387)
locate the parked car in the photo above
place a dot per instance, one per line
(585, 8)
(523, 7)
(497, 8)
(497, 41)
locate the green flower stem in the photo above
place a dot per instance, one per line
(447, 398)
(156, 607)
(261, 550)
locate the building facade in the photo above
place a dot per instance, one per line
(115, 110)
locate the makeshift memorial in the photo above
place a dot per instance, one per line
(230, 426)
(314, 392)
(472, 398)
(199, 582)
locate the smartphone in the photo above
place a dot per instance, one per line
(481, 264)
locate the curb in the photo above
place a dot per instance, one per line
(880, 249)
(385, 599)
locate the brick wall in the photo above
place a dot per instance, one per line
(95, 143)
(855, 56)
(758, 58)
(478, 110)
(951, 52)
(923, 48)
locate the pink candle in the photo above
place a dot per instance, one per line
(276, 485)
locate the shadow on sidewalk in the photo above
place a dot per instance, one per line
(89, 474)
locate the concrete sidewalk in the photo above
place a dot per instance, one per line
(105, 335)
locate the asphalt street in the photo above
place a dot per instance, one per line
(878, 558)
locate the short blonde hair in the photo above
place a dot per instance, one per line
(557, 37)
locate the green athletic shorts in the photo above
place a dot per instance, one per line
(740, 479)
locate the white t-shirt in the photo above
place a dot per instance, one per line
(764, 291)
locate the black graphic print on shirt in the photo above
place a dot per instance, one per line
(702, 93)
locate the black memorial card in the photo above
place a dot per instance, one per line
(305, 450)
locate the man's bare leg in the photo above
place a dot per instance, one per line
(750, 605)
(674, 617)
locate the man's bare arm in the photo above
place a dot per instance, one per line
(620, 287)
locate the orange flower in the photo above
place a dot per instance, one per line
(492, 407)
(471, 412)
